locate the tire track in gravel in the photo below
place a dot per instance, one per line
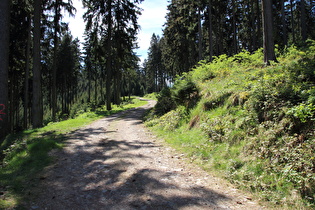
(116, 163)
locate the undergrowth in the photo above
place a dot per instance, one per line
(24, 155)
(252, 123)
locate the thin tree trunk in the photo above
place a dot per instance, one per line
(210, 30)
(27, 75)
(101, 90)
(109, 58)
(292, 22)
(37, 109)
(284, 25)
(220, 35)
(4, 65)
(269, 48)
(234, 28)
(303, 21)
(95, 91)
(253, 28)
(54, 69)
(258, 28)
(89, 85)
(200, 35)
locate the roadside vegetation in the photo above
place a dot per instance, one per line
(24, 155)
(253, 124)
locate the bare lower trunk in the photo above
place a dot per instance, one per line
(210, 30)
(109, 58)
(303, 21)
(27, 73)
(284, 25)
(200, 35)
(37, 109)
(4, 65)
(269, 48)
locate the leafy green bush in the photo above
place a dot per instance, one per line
(165, 102)
(184, 91)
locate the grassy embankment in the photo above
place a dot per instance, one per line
(25, 154)
(251, 123)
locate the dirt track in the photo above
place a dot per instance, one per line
(115, 163)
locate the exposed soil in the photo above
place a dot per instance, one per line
(116, 163)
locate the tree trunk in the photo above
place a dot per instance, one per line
(200, 35)
(253, 28)
(4, 65)
(210, 30)
(284, 25)
(37, 109)
(292, 22)
(269, 48)
(258, 29)
(54, 69)
(109, 58)
(95, 91)
(234, 28)
(303, 21)
(27, 74)
(89, 85)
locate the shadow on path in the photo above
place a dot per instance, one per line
(97, 171)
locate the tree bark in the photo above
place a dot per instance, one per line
(253, 28)
(4, 65)
(109, 58)
(292, 22)
(37, 109)
(200, 35)
(284, 25)
(210, 30)
(303, 21)
(269, 47)
(27, 74)
(54, 67)
(235, 48)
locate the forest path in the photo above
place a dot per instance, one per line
(116, 163)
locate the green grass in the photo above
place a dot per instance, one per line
(25, 154)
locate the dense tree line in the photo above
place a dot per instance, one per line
(200, 30)
(44, 75)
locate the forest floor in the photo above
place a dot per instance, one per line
(116, 163)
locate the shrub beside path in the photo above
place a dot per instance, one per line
(116, 163)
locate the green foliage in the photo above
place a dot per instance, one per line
(257, 123)
(303, 112)
(171, 120)
(165, 102)
(183, 93)
(184, 90)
